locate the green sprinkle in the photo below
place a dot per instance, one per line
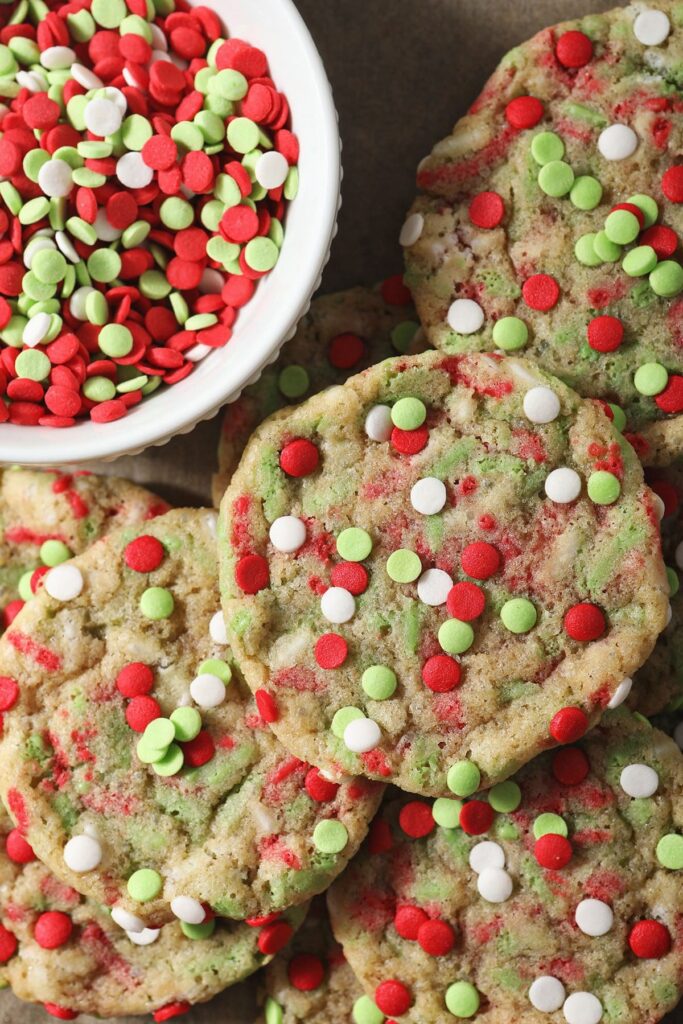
(293, 381)
(135, 131)
(273, 1012)
(48, 266)
(403, 335)
(403, 566)
(608, 251)
(584, 250)
(354, 544)
(187, 724)
(619, 420)
(144, 884)
(622, 227)
(99, 389)
(148, 754)
(651, 379)
(154, 285)
(200, 320)
(159, 733)
(115, 340)
(647, 206)
(170, 763)
(666, 279)
(81, 230)
(408, 413)
(135, 234)
(505, 797)
(104, 265)
(639, 261)
(157, 603)
(462, 999)
(550, 824)
(586, 192)
(674, 582)
(603, 487)
(342, 718)
(518, 615)
(97, 310)
(556, 178)
(32, 364)
(216, 667)
(54, 552)
(455, 637)
(261, 254)
(198, 931)
(34, 210)
(24, 585)
(446, 812)
(670, 852)
(547, 147)
(243, 135)
(176, 213)
(231, 85)
(330, 836)
(364, 1012)
(510, 333)
(464, 778)
(292, 184)
(379, 682)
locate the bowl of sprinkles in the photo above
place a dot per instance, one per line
(169, 186)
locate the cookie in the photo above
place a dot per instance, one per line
(435, 571)
(340, 335)
(551, 217)
(64, 951)
(311, 981)
(47, 516)
(554, 899)
(135, 761)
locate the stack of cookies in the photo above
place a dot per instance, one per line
(432, 631)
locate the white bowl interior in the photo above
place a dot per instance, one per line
(280, 299)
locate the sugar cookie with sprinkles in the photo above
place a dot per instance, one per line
(311, 981)
(550, 218)
(340, 335)
(555, 897)
(434, 572)
(64, 951)
(137, 764)
(48, 516)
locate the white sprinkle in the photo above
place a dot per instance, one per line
(428, 496)
(198, 352)
(132, 171)
(271, 170)
(582, 1008)
(55, 58)
(433, 587)
(116, 97)
(188, 910)
(144, 938)
(362, 735)
(159, 41)
(105, 231)
(66, 247)
(55, 178)
(639, 780)
(412, 229)
(594, 917)
(679, 555)
(287, 534)
(541, 405)
(85, 77)
(36, 329)
(64, 582)
(487, 854)
(465, 316)
(207, 690)
(129, 922)
(337, 605)
(669, 614)
(651, 27)
(563, 485)
(77, 302)
(34, 81)
(130, 78)
(618, 142)
(217, 628)
(547, 994)
(494, 885)
(378, 424)
(621, 693)
(659, 506)
(82, 853)
(102, 117)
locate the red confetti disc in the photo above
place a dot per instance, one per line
(570, 766)
(574, 49)
(52, 929)
(672, 183)
(252, 574)
(541, 292)
(437, 938)
(487, 210)
(274, 937)
(416, 819)
(585, 622)
(476, 817)
(8, 944)
(60, 1012)
(305, 972)
(649, 940)
(267, 708)
(663, 240)
(144, 554)
(352, 576)
(466, 601)
(671, 398)
(393, 998)
(605, 333)
(409, 442)
(141, 711)
(408, 921)
(18, 850)
(346, 351)
(568, 725)
(135, 679)
(199, 751)
(318, 788)
(441, 673)
(394, 290)
(9, 692)
(480, 560)
(524, 112)
(553, 852)
(331, 650)
(299, 457)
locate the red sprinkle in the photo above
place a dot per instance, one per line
(393, 998)
(605, 333)
(352, 576)
(9, 692)
(346, 351)
(141, 711)
(476, 817)
(541, 292)
(408, 921)
(672, 183)
(416, 819)
(306, 972)
(60, 1012)
(299, 457)
(480, 560)
(409, 442)
(671, 398)
(144, 554)
(318, 788)
(135, 679)
(274, 937)
(663, 240)
(52, 929)
(441, 673)
(649, 940)
(574, 49)
(570, 766)
(568, 725)
(553, 852)
(466, 601)
(17, 849)
(585, 622)
(8, 944)
(487, 210)
(252, 574)
(200, 750)
(331, 650)
(437, 938)
(524, 112)
(170, 1011)
(266, 705)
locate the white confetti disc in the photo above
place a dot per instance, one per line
(287, 534)
(618, 142)
(621, 693)
(217, 630)
(465, 316)
(271, 170)
(433, 587)
(36, 329)
(428, 496)
(378, 424)
(188, 909)
(129, 922)
(494, 885)
(207, 690)
(541, 405)
(105, 231)
(102, 117)
(362, 735)
(582, 1008)
(639, 781)
(412, 229)
(547, 994)
(55, 178)
(651, 27)
(487, 854)
(77, 301)
(82, 853)
(594, 917)
(64, 582)
(659, 506)
(337, 605)
(563, 485)
(66, 247)
(132, 171)
(56, 58)
(85, 77)
(144, 938)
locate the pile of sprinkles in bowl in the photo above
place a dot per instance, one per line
(145, 168)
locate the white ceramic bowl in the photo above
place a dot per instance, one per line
(281, 298)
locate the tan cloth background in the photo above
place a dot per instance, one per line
(402, 71)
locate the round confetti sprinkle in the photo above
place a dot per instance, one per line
(487, 210)
(574, 49)
(505, 797)
(354, 544)
(455, 637)
(585, 622)
(639, 781)
(428, 496)
(465, 316)
(651, 27)
(582, 1008)
(568, 725)
(337, 605)
(434, 586)
(379, 682)
(287, 534)
(441, 673)
(617, 142)
(593, 917)
(416, 819)
(541, 405)
(480, 560)
(403, 566)
(563, 485)
(157, 603)
(464, 778)
(518, 615)
(362, 735)
(485, 855)
(547, 994)
(603, 488)
(670, 852)
(649, 940)
(462, 1000)
(330, 836)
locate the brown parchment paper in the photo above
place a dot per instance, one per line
(403, 71)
